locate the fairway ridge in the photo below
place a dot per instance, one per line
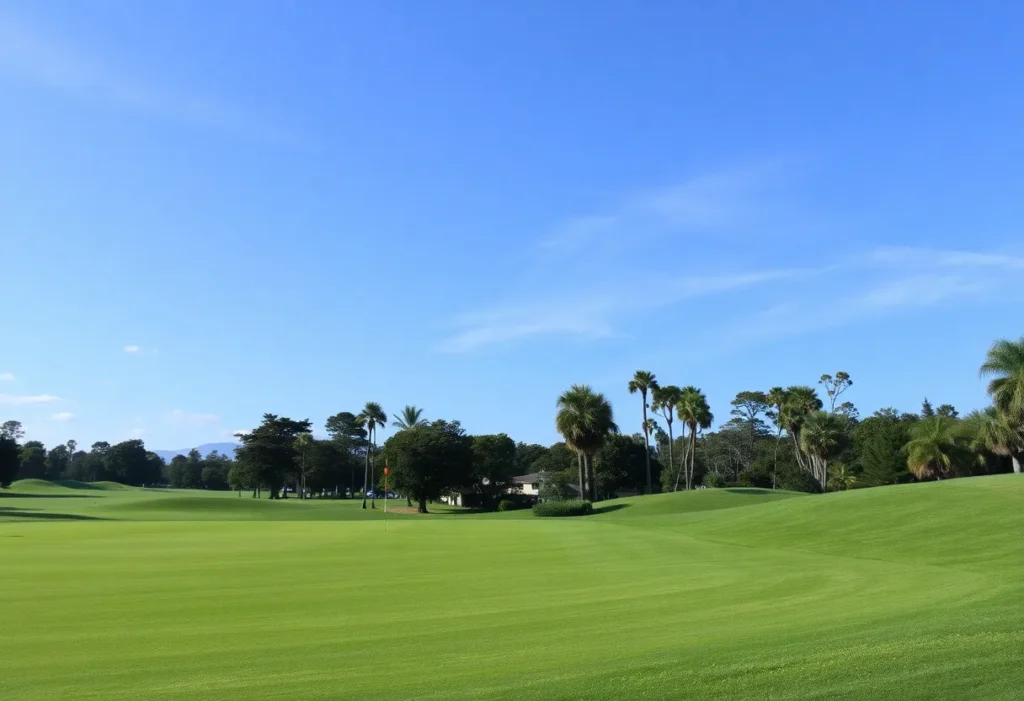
(713, 594)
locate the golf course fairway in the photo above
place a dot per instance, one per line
(903, 592)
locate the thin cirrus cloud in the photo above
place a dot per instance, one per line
(592, 315)
(29, 54)
(558, 294)
(6, 377)
(132, 350)
(27, 399)
(63, 416)
(192, 418)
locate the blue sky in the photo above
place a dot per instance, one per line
(209, 211)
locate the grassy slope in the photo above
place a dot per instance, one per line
(912, 592)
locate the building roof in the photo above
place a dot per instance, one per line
(527, 479)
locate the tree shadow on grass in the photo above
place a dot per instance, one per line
(750, 491)
(608, 508)
(35, 514)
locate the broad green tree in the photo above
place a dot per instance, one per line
(430, 461)
(10, 460)
(371, 418)
(33, 461)
(878, 443)
(1005, 365)
(494, 467)
(351, 440)
(645, 383)
(13, 430)
(585, 419)
(267, 454)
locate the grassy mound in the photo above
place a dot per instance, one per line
(913, 592)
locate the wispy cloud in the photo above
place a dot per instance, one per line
(132, 350)
(30, 54)
(906, 294)
(714, 201)
(593, 314)
(932, 258)
(193, 419)
(237, 432)
(6, 377)
(22, 400)
(63, 416)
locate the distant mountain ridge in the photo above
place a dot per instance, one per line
(204, 450)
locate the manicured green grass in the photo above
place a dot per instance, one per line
(911, 592)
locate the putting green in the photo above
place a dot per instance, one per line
(908, 592)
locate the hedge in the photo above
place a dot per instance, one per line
(570, 507)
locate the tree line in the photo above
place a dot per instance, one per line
(799, 438)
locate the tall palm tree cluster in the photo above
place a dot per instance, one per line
(940, 444)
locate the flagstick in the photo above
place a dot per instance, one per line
(386, 471)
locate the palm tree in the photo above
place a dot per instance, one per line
(841, 479)
(644, 382)
(695, 413)
(935, 448)
(1005, 361)
(302, 444)
(822, 436)
(584, 419)
(989, 431)
(371, 417)
(777, 398)
(411, 417)
(801, 402)
(665, 401)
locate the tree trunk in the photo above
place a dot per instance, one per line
(1016, 463)
(579, 463)
(693, 455)
(796, 449)
(671, 462)
(593, 476)
(366, 474)
(775, 469)
(408, 500)
(647, 448)
(373, 479)
(422, 506)
(682, 463)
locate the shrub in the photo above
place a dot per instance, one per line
(569, 507)
(713, 480)
(507, 505)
